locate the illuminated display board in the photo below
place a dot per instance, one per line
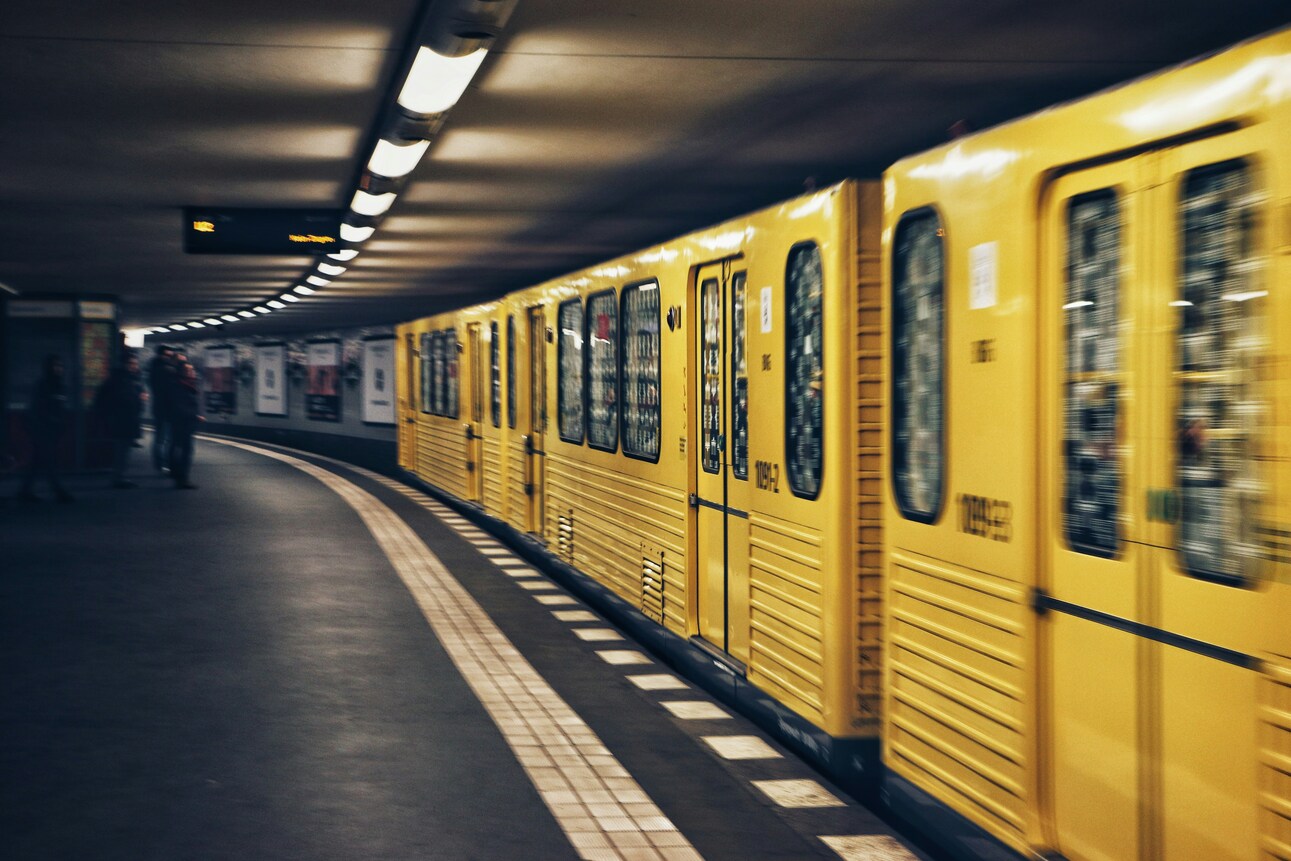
(261, 231)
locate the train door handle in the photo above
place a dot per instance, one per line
(469, 431)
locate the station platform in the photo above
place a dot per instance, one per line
(306, 660)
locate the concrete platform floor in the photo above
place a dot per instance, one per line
(304, 661)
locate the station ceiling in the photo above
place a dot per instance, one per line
(592, 129)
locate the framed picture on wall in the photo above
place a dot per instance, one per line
(323, 383)
(221, 387)
(271, 379)
(378, 381)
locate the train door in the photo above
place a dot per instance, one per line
(536, 428)
(721, 495)
(1095, 709)
(408, 405)
(474, 426)
(1210, 487)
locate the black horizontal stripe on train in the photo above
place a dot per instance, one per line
(717, 506)
(1200, 647)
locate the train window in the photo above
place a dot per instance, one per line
(1092, 421)
(804, 370)
(641, 371)
(1220, 402)
(495, 370)
(740, 380)
(710, 327)
(602, 357)
(511, 371)
(452, 401)
(918, 366)
(569, 368)
(426, 376)
(438, 371)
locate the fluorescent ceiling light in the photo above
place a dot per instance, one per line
(304, 291)
(318, 280)
(346, 254)
(393, 161)
(371, 204)
(245, 314)
(177, 327)
(287, 297)
(350, 233)
(196, 325)
(260, 309)
(275, 304)
(436, 82)
(159, 330)
(329, 269)
(211, 321)
(229, 318)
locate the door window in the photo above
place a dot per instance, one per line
(805, 373)
(641, 370)
(710, 311)
(602, 340)
(569, 371)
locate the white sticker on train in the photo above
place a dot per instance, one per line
(766, 310)
(982, 276)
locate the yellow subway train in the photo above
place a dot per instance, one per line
(969, 484)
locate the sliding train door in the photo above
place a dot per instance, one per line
(1159, 480)
(721, 486)
(1096, 711)
(535, 428)
(473, 428)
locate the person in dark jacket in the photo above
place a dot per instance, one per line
(119, 405)
(185, 415)
(47, 422)
(161, 381)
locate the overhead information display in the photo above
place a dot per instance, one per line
(261, 231)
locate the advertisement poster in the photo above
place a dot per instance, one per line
(271, 380)
(378, 381)
(323, 387)
(221, 388)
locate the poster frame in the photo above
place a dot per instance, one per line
(282, 374)
(363, 382)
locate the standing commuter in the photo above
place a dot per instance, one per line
(119, 405)
(47, 422)
(185, 414)
(161, 380)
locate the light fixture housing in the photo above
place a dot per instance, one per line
(435, 82)
(213, 321)
(275, 304)
(393, 160)
(177, 327)
(228, 318)
(353, 233)
(318, 280)
(287, 297)
(305, 291)
(330, 269)
(245, 314)
(260, 309)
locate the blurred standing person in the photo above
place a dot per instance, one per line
(161, 380)
(47, 422)
(185, 414)
(119, 405)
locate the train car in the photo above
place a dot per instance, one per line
(1086, 522)
(695, 428)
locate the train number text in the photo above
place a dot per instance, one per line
(768, 475)
(988, 518)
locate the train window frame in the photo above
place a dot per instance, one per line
(495, 375)
(589, 358)
(452, 379)
(739, 350)
(790, 329)
(900, 494)
(424, 357)
(712, 448)
(561, 341)
(1072, 308)
(438, 372)
(628, 289)
(1257, 240)
(511, 371)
